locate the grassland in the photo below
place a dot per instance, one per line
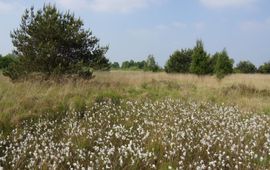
(136, 120)
(22, 100)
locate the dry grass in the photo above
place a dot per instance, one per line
(29, 98)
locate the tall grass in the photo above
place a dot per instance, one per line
(21, 100)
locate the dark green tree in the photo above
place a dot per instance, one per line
(7, 60)
(53, 42)
(126, 64)
(245, 67)
(133, 65)
(115, 65)
(151, 64)
(223, 64)
(179, 61)
(200, 64)
(265, 68)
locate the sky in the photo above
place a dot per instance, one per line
(133, 29)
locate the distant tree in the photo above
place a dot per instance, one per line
(179, 61)
(141, 64)
(200, 64)
(115, 65)
(132, 65)
(212, 62)
(223, 64)
(245, 67)
(151, 64)
(265, 68)
(52, 42)
(7, 60)
(125, 65)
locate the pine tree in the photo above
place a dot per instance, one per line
(52, 42)
(200, 60)
(223, 65)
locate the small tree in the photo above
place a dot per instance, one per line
(200, 60)
(245, 67)
(7, 60)
(151, 64)
(115, 65)
(223, 64)
(265, 68)
(52, 42)
(179, 61)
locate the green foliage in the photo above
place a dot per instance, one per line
(245, 67)
(139, 65)
(223, 64)
(151, 64)
(179, 61)
(15, 70)
(115, 65)
(200, 60)
(7, 60)
(265, 68)
(52, 42)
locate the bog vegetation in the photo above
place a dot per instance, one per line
(166, 134)
(61, 107)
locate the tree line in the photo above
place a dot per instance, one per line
(197, 61)
(55, 43)
(149, 64)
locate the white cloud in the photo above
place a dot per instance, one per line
(226, 3)
(107, 5)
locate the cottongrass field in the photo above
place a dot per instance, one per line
(147, 134)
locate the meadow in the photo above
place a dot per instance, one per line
(136, 120)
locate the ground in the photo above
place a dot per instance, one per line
(136, 120)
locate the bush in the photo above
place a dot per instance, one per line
(132, 65)
(200, 60)
(14, 70)
(115, 65)
(52, 42)
(245, 67)
(151, 64)
(265, 68)
(179, 61)
(7, 60)
(223, 64)
(85, 72)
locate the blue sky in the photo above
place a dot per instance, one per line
(136, 28)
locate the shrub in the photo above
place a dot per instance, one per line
(200, 60)
(223, 64)
(150, 64)
(245, 67)
(265, 68)
(14, 70)
(7, 60)
(132, 65)
(115, 65)
(179, 61)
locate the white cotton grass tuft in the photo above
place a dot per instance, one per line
(168, 134)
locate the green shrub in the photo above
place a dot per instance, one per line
(245, 67)
(14, 71)
(265, 68)
(7, 60)
(223, 65)
(200, 60)
(179, 61)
